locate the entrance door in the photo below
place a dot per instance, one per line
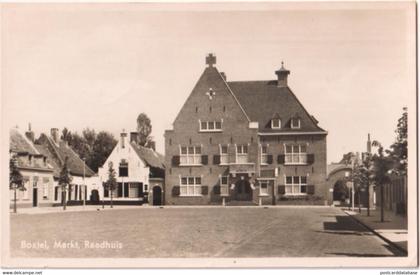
(35, 197)
(243, 190)
(157, 195)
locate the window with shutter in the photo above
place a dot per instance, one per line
(280, 159)
(216, 159)
(175, 160)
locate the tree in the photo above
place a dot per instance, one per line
(380, 171)
(64, 181)
(66, 136)
(94, 148)
(398, 152)
(144, 129)
(111, 183)
(102, 148)
(15, 179)
(347, 158)
(360, 178)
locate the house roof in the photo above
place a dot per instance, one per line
(20, 144)
(61, 151)
(149, 156)
(262, 99)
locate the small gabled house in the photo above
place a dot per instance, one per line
(36, 171)
(140, 173)
(244, 142)
(84, 180)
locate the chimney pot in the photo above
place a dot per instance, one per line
(134, 137)
(54, 135)
(29, 134)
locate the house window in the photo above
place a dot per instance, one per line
(133, 191)
(123, 168)
(190, 155)
(296, 185)
(264, 154)
(264, 188)
(295, 123)
(224, 185)
(275, 123)
(210, 126)
(242, 154)
(296, 154)
(224, 156)
(190, 186)
(45, 182)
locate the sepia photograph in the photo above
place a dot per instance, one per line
(209, 135)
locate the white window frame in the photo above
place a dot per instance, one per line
(279, 123)
(290, 188)
(208, 123)
(45, 189)
(133, 190)
(291, 123)
(224, 185)
(241, 158)
(190, 158)
(264, 156)
(224, 157)
(296, 158)
(263, 191)
(190, 186)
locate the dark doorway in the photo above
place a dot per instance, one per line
(157, 195)
(341, 192)
(35, 197)
(243, 191)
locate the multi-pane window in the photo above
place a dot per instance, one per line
(190, 186)
(264, 154)
(295, 123)
(210, 126)
(224, 185)
(296, 154)
(45, 182)
(224, 156)
(296, 185)
(275, 123)
(133, 191)
(264, 188)
(242, 154)
(190, 155)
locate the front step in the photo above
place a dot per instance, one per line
(241, 203)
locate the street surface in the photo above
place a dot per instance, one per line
(195, 232)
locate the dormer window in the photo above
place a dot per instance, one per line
(295, 123)
(275, 123)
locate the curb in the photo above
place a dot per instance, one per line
(397, 247)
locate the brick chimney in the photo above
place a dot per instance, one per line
(54, 135)
(134, 137)
(369, 145)
(29, 134)
(282, 74)
(123, 137)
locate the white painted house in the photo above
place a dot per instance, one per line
(139, 172)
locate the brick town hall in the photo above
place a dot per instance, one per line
(244, 142)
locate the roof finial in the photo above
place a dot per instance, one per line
(282, 64)
(211, 60)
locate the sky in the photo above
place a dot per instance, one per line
(100, 65)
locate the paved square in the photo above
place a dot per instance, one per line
(195, 232)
